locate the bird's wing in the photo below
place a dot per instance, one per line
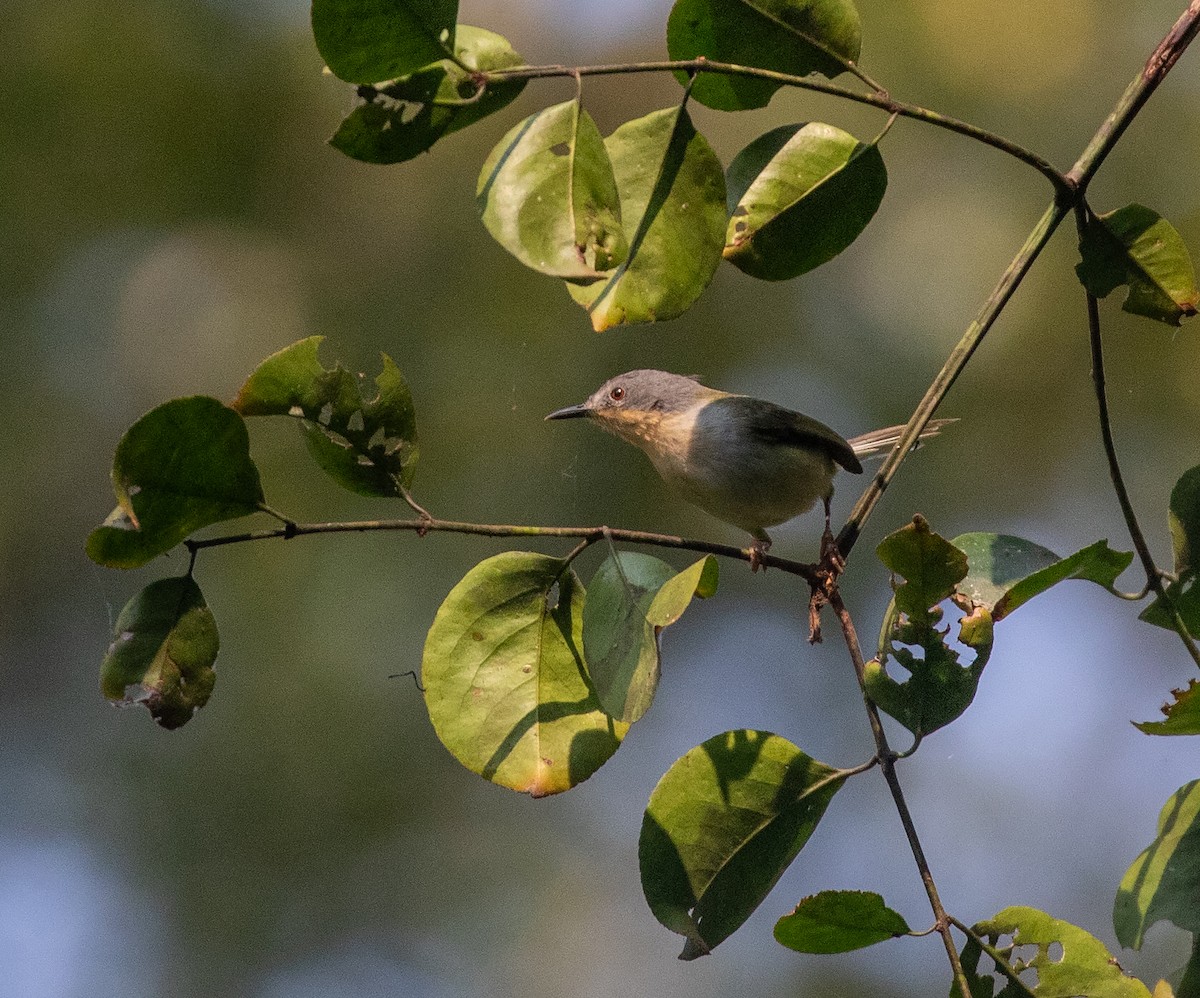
(776, 425)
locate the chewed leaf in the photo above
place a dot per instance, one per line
(180, 467)
(368, 446)
(838, 922)
(1182, 714)
(1134, 245)
(366, 41)
(163, 652)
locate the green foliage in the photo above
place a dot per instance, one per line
(368, 41)
(838, 922)
(1183, 517)
(1182, 713)
(721, 827)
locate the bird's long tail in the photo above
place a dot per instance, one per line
(879, 442)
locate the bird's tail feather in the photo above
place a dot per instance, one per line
(879, 442)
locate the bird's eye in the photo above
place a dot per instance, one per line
(617, 394)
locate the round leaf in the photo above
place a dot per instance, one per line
(839, 921)
(368, 41)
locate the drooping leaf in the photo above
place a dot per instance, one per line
(798, 196)
(368, 41)
(182, 466)
(505, 682)
(1182, 714)
(1068, 962)
(547, 194)
(788, 36)
(838, 922)
(1134, 245)
(1005, 572)
(1164, 881)
(1183, 517)
(162, 653)
(628, 603)
(405, 117)
(368, 446)
(721, 827)
(673, 210)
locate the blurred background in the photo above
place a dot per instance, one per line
(170, 215)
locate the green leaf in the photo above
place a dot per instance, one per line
(162, 653)
(1005, 571)
(366, 446)
(673, 202)
(1183, 714)
(797, 37)
(1164, 881)
(839, 921)
(722, 825)
(367, 41)
(1189, 985)
(798, 196)
(930, 564)
(1067, 961)
(1134, 245)
(505, 683)
(1183, 517)
(547, 194)
(405, 117)
(1184, 597)
(180, 467)
(629, 602)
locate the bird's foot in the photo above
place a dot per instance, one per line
(758, 549)
(832, 559)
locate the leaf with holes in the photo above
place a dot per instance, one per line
(1134, 245)
(405, 117)
(798, 196)
(838, 922)
(796, 37)
(182, 466)
(721, 827)
(162, 653)
(367, 41)
(1182, 714)
(366, 446)
(505, 682)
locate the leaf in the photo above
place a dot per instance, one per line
(182, 466)
(930, 564)
(722, 825)
(162, 653)
(1134, 245)
(1183, 518)
(797, 37)
(405, 117)
(629, 602)
(673, 204)
(366, 446)
(838, 922)
(366, 41)
(1164, 881)
(1005, 572)
(547, 194)
(1183, 714)
(1067, 960)
(798, 196)
(505, 685)
(1184, 597)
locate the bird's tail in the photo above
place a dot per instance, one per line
(879, 442)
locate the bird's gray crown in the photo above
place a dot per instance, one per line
(648, 390)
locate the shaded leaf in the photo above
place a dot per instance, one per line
(798, 196)
(673, 210)
(1134, 245)
(788, 36)
(367, 41)
(1182, 714)
(162, 654)
(405, 117)
(839, 921)
(722, 825)
(504, 680)
(366, 446)
(182, 466)
(1164, 881)
(1184, 596)
(1183, 517)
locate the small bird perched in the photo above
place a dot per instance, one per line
(748, 462)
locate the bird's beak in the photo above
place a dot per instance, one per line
(570, 412)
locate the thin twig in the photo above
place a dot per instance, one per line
(1001, 964)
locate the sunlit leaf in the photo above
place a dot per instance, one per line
(721, 827)
(162, 653)
(367, 41)
(839, 921)
(368, 446)
(798, 196)
(1134, 245)
(673, 210)
(931, 565)
(1182, 714)
(180, 467)
(797, 37)
(405, 117)
(547, 194)
(505, 684)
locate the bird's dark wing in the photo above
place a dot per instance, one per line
(773, 424)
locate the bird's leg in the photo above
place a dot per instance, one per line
(759, 547)
(831, 554)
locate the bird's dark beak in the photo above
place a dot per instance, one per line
(570, 412)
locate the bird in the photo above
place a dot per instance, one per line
(746, 461)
